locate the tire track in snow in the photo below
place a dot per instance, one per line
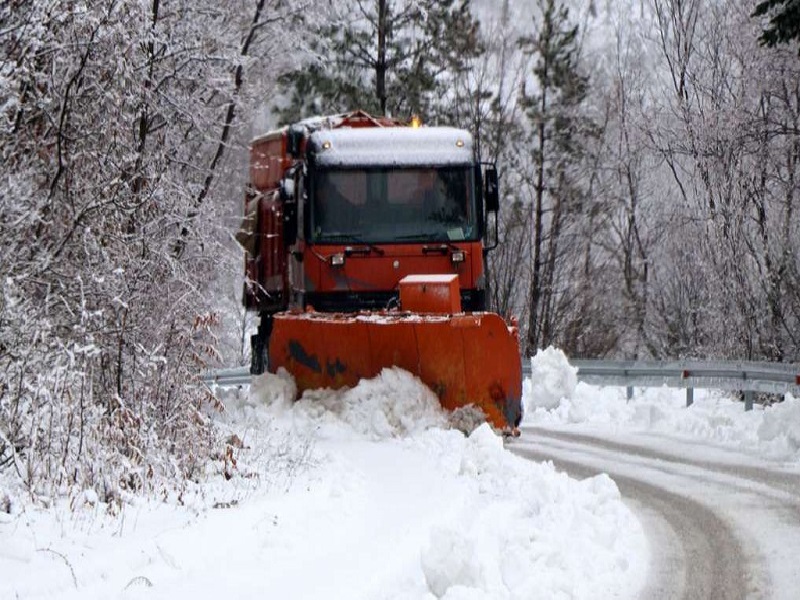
(777, 479)
(717, 530)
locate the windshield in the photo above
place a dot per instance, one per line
(394, 205)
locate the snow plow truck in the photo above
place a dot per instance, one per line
(364, 249)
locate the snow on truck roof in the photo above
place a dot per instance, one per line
(392, 146)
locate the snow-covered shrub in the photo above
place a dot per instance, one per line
(113, 209)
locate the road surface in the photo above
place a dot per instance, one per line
(720, 524)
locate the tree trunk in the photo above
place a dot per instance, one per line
(536, 277)
(380, 65)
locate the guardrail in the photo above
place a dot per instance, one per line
(227, 377)
(747, 377)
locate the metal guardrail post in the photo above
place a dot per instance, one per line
(629, 393)
(689, 389)
(748, 400)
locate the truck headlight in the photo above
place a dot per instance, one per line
(457, 257)
(337, 260)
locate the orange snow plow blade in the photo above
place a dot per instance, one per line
(464, 358)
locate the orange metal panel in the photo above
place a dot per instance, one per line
(384, 271)
(442, 366)
(430, 294)
(321, 353)
(359, 118)
(475, 258)
(268, 161)
(272, 256)
(499, 367)
(465, 359)
(394, 345)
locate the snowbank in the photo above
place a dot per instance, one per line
(393, 404)
(552, 379)
(779, 429)
(531, 532)
(715, 417)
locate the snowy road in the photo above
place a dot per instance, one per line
(720, 524)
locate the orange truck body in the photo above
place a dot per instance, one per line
(365, 250)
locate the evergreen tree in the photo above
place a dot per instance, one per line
(557, 137)
(784, 22)
(388, 57)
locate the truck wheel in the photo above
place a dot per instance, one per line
(258, 358)
(259, 345)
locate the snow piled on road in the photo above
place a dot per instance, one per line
(715, 417)
(362, 493)
(528, 532)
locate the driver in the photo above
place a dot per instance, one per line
(439, 201)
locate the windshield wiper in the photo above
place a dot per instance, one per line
(434, 244)
(352, 237)
(419, 237)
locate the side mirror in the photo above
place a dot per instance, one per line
(294, 140)
(287, 195)
(490, 190)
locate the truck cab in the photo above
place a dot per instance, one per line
(341, 209)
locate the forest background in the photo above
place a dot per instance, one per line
(648, 153)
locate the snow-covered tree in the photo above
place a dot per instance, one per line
(728, 135)
(388, 57)
(116, 122)
(559, 133)
(784, 21)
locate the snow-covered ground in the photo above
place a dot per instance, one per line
(368, 494)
